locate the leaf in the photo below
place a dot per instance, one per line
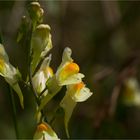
(19, 93)
(17, 90)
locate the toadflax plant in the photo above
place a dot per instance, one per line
(41, 79)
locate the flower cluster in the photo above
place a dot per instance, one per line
(48, 83)
(43, 81)
(67, 74)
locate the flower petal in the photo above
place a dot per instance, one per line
(3, 54)
(75, 93)
(75, 78)
(82, 96)
(43, 74)
(39, 81)
(68, 104)
(66, 58)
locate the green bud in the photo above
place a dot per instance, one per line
(36, 12)
(42, 31)
(41, 43)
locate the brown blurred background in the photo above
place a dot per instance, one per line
(104, 37)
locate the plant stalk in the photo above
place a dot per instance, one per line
(29, 64)
(30, 71)
(14, 112)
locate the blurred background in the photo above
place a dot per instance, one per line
(104, 37)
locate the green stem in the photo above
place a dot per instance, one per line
(14, 112)
(33, 89)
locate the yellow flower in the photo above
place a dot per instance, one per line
(68, 71)
(131, 93)
(43, 74)
(75, 93)
(45, 132)
(10, 73)
(66, 74)
(79, 92)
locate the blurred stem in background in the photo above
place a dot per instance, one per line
(0, 36)
(0, 39)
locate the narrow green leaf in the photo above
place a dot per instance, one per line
(17, 89)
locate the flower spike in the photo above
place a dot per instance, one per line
(67, 73)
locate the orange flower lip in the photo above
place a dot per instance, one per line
(72, 67)
(42, 127)
(79, 86)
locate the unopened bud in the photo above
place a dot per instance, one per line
(36, 12)
(42, 30)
